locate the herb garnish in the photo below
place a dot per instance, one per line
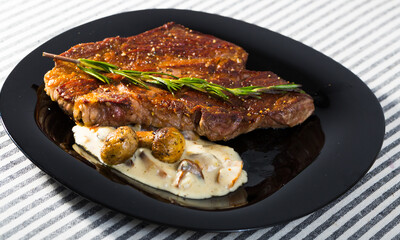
(171, 82)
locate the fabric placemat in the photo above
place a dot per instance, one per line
(362, 35)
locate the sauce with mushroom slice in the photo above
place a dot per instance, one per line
(205, 169)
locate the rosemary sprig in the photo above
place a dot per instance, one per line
(171, 82)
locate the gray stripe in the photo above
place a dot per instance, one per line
(356, 201)
(196, 235)
(358, 28)
(392, 118)
(31, 205)
(154, 233)
(220, 236)
(386, 69)
(12, 163)
(176, 4)
(332, 23)
(304, 5)
(369, 46)
(30, 14)
(386, 228)
(19, 173)
(42, 213)
(364, 212)
(2, 133)
(330, 12)
(30, 24)
(391, 92)
(315, 215)
(245, 235)
(258, 20)
(21, 185)
(113, 228)
(175, 234)
(231, 3)
(77, 220)
(133, 231)
(392, 132)
(59, 217)
(272, 231)
(107, 216)
(389, 147)
(5, 143)
(246, 6)
(304, 15)
(308, 221)
(88, 9)
(193, 5)
(258, 8)
(9, 153)
(390, 105)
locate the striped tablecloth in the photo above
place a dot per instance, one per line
(362, 35)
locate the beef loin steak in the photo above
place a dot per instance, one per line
(174, 49)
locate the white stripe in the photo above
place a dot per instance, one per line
(186, 235)
(324, 24)
(232, 236)
(10, 173)
(13, 157)
(374, 229)
(8, 148)
(98, 230)
(15, 26)
(394, 231)
(82, 224)
(123, 229)
(358, 24)
(51, 214)
(339, 205)
(66, 220)
(18, 8)
(288, 228)
(389, 113)
(27, 214)
(324, 35)
(50, 27)
(167, 232)
(144, 231)
(67, 223)
(4, 138)
(12, 185)
(255, 16)
(311, 22)
(353, 50)
(18, 193)
(294, 19)
(373, 213)
(273, 20)
(357, 209)
(233, 8)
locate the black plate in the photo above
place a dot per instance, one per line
(348, 113)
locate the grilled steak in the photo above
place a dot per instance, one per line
(173, 49)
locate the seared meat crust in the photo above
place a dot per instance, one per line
(174, 49)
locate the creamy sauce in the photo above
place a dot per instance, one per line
(218, 169)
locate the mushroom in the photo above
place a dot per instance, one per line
(167, 144)
(119, 146)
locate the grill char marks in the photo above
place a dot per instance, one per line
(173, 49)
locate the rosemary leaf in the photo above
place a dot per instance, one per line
(171, 82)
(95, 74)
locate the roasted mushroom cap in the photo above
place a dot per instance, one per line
(168, 144)
(119, 146)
